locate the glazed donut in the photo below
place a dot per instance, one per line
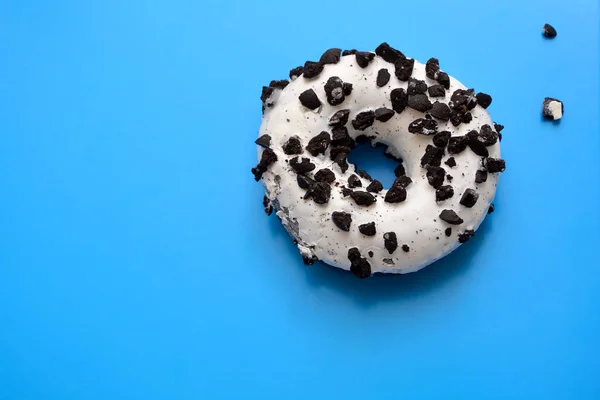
(446, 145)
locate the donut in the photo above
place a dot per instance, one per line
(446, 146)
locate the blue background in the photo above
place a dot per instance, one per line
(136, 261)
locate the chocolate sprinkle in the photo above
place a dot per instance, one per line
(331, 56)
(457, 144)
(363, 198)
(268, 207)
(440, 111)
(432, 68)
(416, 86)
(368, 229)
(495, 165)
(384, 114)
(404, 68)
(448, 231)
(390, 241)
(263, 141)
(388, 53)
(444, 80)
(363, 120)
(354, 181)
(383, 77)
(433, 156)
(441, 139)
(340, 118)
(312, 69)
(363, 58)
(464, 237)
(318, 144)
(481, 176)
(375, 186)
(436, 91)
(405, 248)
(451, 162)
(399, 100)
(444, 193)
(342, 220)
(267, 158)
(549, 31)
(419, 102)
(301, 166)
(396, 194)
(309, 99)
(423, 126)
(451, 217)
(292, 146)
(483, 99)
(435, 176)
(296, 72)
(469, 198)
(325, 175)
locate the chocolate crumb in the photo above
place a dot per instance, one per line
(264, 141)
(304, 181)
(348, 52)
(340, 137)
(341, 161)
(464, 237)
(279, 84)
(363, 120)
(384, 114)
(359, 266)
(364, 174)
(444, 193)
(268, 207)
(267, 158)
(498, 127)
(354, 181)
(309, 259)
(495, 165)
(475, 145)
(383, 77)
(320, 192)
(451, 217)
(399, 99)
(363, 58)
(552, 109)
(370, 253)
(483, 99)
(404, 68)
(402, 181)
(318, 144)
(347, 88)
(487, 136)
(312, 69)
(301, 166)
(405, 248)
(469, 198)
(296, 72)
(331, 56)
(451, 162)
(292, 146)
(390, 241)
(337, 150)
(448, 231)
(325, 175)
(309, 99)
(449, 177)
(367, 229)
(375, 186)
(549, 31)
(342, 220)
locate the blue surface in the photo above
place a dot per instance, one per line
(135, 258)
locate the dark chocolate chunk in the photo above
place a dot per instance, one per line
(318, 144)
(309, 99)
(354, 181)
(268, 207)
(402, 181)
(348, 52)
(399, 171)
(416, 86)
(549, 112)
(444, 193)
(279, 84)
(390, 241)
(491, 209)
(443, 79)
(331, 56)
(432, 68)
(296, 72)
(383, 77)
(361, 268)
(384, 114)
(267, 158)
(451, 162)
(441, 139)
(363, 120)
(405, 248)
(347, 88)
(481, 176)
(312, 69)
(435, 176)
(404, 68)
(364, 174)
(465, 236)
(334, 91)
(265, 94)
(292, 146)
(304, 181)
(320, 192)
(363, 198)
(433, 156)
(469, 198)
(549, 31)
(495, 164)
(368, 229)
(419, 102)
(448, 231)
(457, 144)
(483, 99)
(451, 217)
(440, 111)
(340, 118)
(337, 150)
(423, 126)
(363, 58)
(498, 127)
(325, 175)
(341, 161)
(396, 194)
(436, 91)
(388, 53)
(263, 141)
(342, 220)
(301, 166)
(375, 186)
(340, 137)
(399, 100)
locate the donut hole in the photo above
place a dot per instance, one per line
(375, 162)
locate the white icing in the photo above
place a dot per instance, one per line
(415, 221)
(555, 108)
